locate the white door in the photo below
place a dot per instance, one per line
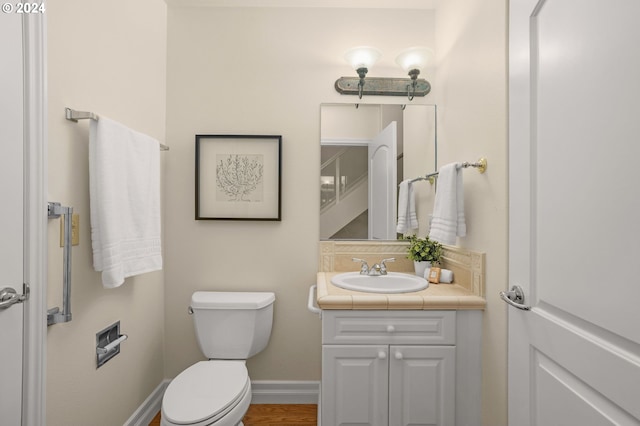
(11, 217)
(574, 238)
(383, 184)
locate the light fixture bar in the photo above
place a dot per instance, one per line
(381, 86)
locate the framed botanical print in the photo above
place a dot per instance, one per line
(238, 177)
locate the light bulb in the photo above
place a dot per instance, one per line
(362, 57)
(414, 58)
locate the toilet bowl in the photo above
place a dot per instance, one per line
(208, 393)
(230, 327)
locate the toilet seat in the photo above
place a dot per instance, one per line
(205, 392)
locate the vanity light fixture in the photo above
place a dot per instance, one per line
(413, 60)
(362, 58)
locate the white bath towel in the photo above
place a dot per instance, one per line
(448, 220)
(124, 174)
(407, 218)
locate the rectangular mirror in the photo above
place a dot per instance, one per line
(366, 151)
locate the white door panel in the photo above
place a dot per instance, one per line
(575, 357)
(11, 215)
(585, 151)
(383, 186)
(11, 364)
(591, 355)
(563, 399)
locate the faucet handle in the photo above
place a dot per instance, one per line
(364, 268)
(383, 266)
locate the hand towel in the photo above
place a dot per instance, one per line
(407, 218)
(448, 221)
(124, 180)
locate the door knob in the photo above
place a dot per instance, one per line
(399, 355)
(8, 297)
(515, 298)
(382, 355)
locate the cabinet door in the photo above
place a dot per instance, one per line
(422, 385)
(354, 385)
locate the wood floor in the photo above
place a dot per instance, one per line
(274, 415)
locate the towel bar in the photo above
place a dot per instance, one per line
(73, 115)
(481, 165)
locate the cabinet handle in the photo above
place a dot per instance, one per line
(398, 355)
(390, 329)
(382, 355)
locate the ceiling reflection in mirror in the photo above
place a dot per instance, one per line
(366, 151)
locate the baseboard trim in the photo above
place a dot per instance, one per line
(149, 408)
(263, 392)
(285, 392)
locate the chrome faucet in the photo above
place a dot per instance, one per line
(376, 270)
(364, 267)
(383, 266)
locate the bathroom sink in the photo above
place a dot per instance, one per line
(393, 282)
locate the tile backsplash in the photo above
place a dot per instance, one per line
(468, 267)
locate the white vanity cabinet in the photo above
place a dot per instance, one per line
(397, 368)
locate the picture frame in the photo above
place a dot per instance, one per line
(238, 177)
(434, 275)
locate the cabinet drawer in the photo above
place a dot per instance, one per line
(389, 327)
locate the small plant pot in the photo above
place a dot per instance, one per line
(421, 267)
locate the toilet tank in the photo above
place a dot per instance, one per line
(232, 325)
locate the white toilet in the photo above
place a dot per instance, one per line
(230, 328)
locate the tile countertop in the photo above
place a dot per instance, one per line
(436, 296)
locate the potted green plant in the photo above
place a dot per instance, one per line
(424, 253)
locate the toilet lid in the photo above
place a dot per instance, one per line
(205, 390)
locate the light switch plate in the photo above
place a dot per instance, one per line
(75, 230)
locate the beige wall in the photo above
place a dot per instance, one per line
(248, 71)
(472, 105)
(261, 71)
(108, 57)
